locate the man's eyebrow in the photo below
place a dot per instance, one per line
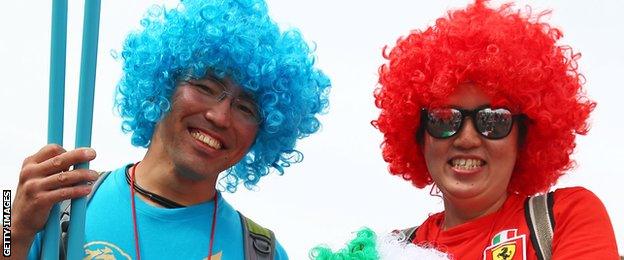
(202, 81)
(245, 95)
(216, 80)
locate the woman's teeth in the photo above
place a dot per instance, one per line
(466, 164)
(213, 143)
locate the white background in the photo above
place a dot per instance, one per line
(343, 183)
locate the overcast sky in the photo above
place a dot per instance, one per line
(343, 182)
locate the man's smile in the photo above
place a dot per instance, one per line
(205, 138)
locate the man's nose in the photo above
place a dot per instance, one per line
(220, 113)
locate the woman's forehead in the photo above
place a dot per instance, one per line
(469, 96)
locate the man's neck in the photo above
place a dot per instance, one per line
(162, 177)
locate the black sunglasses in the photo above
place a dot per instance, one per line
(491, 123)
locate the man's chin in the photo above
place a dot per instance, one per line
(196, 173)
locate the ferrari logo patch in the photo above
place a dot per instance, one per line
(506, 245)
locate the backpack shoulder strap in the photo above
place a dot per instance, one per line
(66, 208)
(408, 233)
(538, 212)
(96, 184)
(258, 242)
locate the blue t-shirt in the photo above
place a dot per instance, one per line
(180, 233)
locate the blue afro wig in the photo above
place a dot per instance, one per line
(234, 38)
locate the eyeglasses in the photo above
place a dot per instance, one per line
(244, 108)
(491, 123)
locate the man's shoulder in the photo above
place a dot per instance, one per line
(107, 187)
(107, 176)
(261, 240)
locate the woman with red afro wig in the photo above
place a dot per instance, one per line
(486, 106)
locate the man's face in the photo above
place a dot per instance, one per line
(467, 166)
(207, 131)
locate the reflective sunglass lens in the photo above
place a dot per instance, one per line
(494, 123)
(490, 123)
(443, 123)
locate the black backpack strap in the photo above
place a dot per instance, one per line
(538, 211)
(407, 233)
(258, 242)
(65, 206)
(65, 212)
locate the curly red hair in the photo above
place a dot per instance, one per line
(513, 57)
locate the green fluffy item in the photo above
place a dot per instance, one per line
(362, 247)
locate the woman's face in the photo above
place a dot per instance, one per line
(467, 166)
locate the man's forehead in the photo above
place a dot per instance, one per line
(228, 83)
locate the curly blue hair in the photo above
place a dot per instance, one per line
(234, 38)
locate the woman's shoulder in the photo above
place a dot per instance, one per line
(578, 205)
(429, 226)
(583, 229)
(576, 190)
(576, 198)
(433, 219)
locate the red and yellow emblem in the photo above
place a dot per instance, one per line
(506, 245)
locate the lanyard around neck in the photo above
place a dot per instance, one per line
(135, 224)
(160, 200)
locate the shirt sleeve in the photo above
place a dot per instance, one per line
(280, 253)
(583, 229)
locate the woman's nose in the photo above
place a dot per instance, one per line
(468, 137)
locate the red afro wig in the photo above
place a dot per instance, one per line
(513, 57)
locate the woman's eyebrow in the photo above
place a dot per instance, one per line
(476, 108)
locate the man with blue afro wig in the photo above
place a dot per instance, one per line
(226, 39)
(209, 86)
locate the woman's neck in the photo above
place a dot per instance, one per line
(460, 211)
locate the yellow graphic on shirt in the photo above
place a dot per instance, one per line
(100, 250)
(506, 245)
(104, 254)
(504, 252)
(216, 256)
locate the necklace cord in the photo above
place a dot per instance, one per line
(134, 219)
(167, 203)
(212, 228)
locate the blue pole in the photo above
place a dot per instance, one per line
(50, 247)
(90, 31)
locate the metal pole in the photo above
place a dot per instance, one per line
(52, 233)
(88, 63)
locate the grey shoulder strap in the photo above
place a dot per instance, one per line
(539, 217)
(408, 233)
(66, 204)
(258, 242)
(65, 212)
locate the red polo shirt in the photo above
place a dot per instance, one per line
(582, 231)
